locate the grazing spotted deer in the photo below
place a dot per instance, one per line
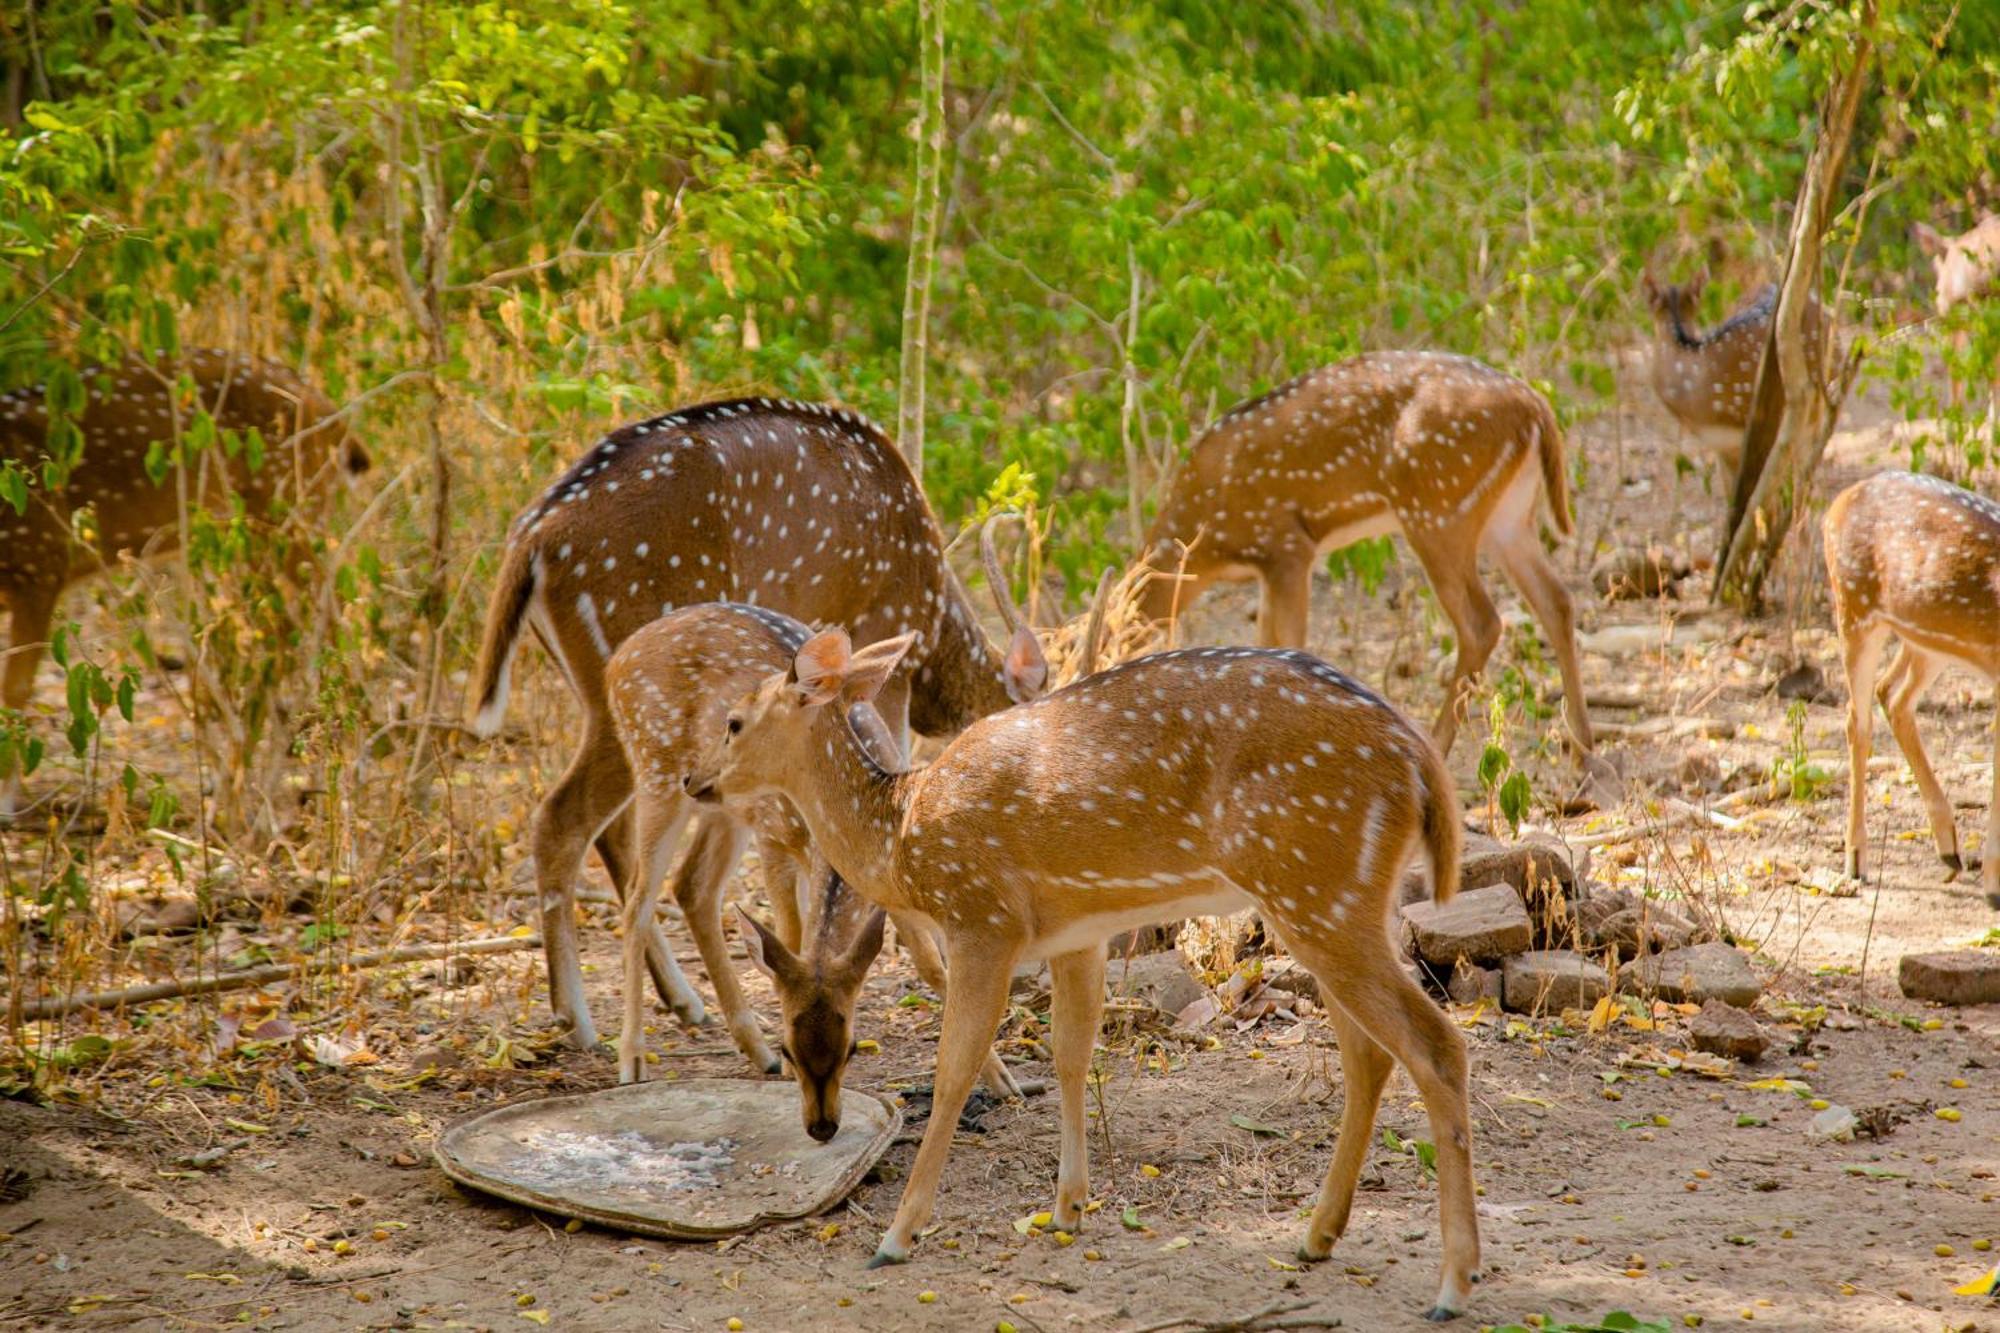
(1446, 450)
(1967, 268)
(130, 407)
(1183, 783)
(799, 507)
(668, 685)
(1707, 380)
(1917, 558)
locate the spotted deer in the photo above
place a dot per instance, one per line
(1966, 268)
(1183, 783)
(129, 408)
(1445, 450)
(798, 507)
(1707, 380)
(1917, 558)
(667, 684)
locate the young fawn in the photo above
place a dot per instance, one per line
(1707, 380)
(796, 506)
(1448, 451)
(1184, 783)
(129, 408)
(1918, 558)
(668, 685)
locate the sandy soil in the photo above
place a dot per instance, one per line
(1606, 1184)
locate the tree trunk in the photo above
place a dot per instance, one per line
(1795, 405)
(925, 199)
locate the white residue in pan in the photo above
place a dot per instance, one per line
(565, 1157)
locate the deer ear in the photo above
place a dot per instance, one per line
(1695, 287)
(767, 952)
(821, 667)
(1025, 671)
(867, 944)
(1927, 240)
(871, 668)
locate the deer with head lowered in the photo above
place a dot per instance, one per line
(1707, 380)
(1916, 558)
(1446, 450)
(1184, 783)
(798, 507)
(295, 448)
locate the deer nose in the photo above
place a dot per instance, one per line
(823, 1130)
(701, 789)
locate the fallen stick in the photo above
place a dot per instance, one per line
(56, 1007)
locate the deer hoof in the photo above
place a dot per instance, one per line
(1954, 863)
(1439, 1314)
(884, 1257)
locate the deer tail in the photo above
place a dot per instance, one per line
(1555, 473)
(1443, 838)
(506, 611)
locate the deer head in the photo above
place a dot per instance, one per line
(1964, 265)
(826, 668)
(816, 997)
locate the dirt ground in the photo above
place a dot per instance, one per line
(1609, 1179)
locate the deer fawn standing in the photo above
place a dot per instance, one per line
(1446, 450)
(1707, 380)
(796, 506)
(129, 408)
(1919, 558)
(1180, 784)
(668, 685)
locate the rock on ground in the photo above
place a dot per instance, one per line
(1471, 983)
(1621, 921)
(1964, 976)
(1480, 924)
(1552, 979)
(1698, 974)
(1160, 979)
(1723, 1029)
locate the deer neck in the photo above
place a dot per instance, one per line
(853, 805)
(959, 679)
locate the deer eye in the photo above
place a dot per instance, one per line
(735, 725)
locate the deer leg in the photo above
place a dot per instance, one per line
(973, 1008)
(591, 794)
(1454, 577)
(1078, 1007)
(1364, 1068)
(1861, 654)
(660, 822)
(31, 610)
(614, 848)
(1989, 870)
(698, 887)
(921, 944)
(787, 884)
(1528, 569)
(1281, 612)
(1397, 1014)
(1912, 674)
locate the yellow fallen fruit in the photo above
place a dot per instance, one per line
(1960, 1083)
(868, 1045)
(574, 1225)
(1982, 1245)
(1819, 1103)
(1933, 1024)
(734, 1325)
(1950, 1113)
(926, 1298)
(1943, 1251)
(1150, 1171)
(1064, 1239)
(829, 1231)
(525, 1299)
